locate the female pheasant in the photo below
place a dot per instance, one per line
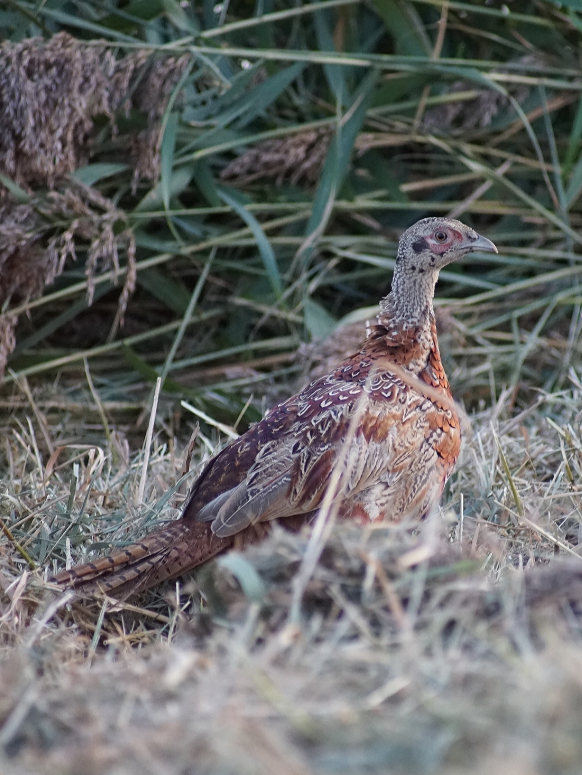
(382, 428)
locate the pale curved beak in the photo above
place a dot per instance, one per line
(484, 244)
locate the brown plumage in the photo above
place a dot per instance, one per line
(384, 420)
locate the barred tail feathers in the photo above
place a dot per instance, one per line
(165, 554)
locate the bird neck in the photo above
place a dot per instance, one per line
(409, 302)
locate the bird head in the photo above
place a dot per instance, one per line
(432, 243)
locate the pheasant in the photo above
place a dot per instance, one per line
(381, 429)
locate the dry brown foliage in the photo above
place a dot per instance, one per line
(296, 159)
(49, 93)
(52, 90)
(479, 112)
(31, 257)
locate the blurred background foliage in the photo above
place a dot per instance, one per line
(192, 190)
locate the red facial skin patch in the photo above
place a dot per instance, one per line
(442, 247)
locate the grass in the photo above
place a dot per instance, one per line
(441, 648)
(231, 186)
(396, 111)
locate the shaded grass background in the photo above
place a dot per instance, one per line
(234, 187)
(266, 164)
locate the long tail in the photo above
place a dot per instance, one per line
(175, 549)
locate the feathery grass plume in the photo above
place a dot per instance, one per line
(479, 111)
(96, 221)
(297, 159)
(30, 259)
(52, 90)
(154, 79)
(25, 267)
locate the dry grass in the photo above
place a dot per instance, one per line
(445, 647)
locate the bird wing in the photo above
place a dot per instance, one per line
(292, 450)
(230, 467)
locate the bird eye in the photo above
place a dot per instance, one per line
(440, 236)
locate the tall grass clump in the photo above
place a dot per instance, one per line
(265, 162)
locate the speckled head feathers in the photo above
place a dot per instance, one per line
(433, 243)
(424, 249)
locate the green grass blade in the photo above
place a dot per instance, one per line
(336, 165)
(265, 249)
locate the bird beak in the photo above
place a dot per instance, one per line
(484, 244)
